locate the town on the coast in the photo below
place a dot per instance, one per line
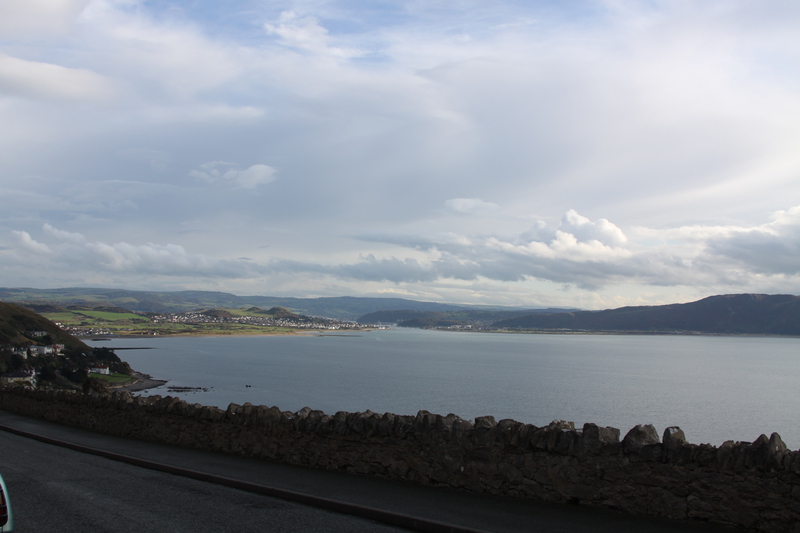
(45, 350)
(280, 320)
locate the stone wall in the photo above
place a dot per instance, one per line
(749, 485)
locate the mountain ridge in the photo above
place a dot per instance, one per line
(339, 307)
(755, 314)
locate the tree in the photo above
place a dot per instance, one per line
(94, 384)
(47, 372)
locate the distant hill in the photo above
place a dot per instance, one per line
(341, 308)
(728, 314)
(16, 323)
(440, 319)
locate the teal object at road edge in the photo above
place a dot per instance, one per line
(6, 516)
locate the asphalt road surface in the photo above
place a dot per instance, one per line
(54, 489)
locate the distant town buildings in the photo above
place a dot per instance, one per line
(300, 322)
(199, 317)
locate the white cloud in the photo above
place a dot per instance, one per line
(72, 251)
(37, 19)
(29, 245)
(73, 238)
(27, 79)
(472, 206)
(305, 33)
(705, 256)
(249, 178)
(718, 259)
(585, 230)
(253, 176)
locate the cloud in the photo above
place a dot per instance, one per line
(590, 254)
(738, 258)
(580, 228)
(471, 206)
(32, 79)
(72, 251)
(306, 34)
(581, 260)
(66, 236)
(771, 249)
(29, 245)
(250, 178)
(37, 19)
(612, 146)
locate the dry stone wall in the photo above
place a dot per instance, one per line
(755, 485)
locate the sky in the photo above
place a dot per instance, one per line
(590, 153)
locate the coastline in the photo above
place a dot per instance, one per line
(142, 383)
(111, 338)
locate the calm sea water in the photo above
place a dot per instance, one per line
(714, 388)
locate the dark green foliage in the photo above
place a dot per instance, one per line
(74, 374)
(105, 355)
(10, 362)
(47, 371)
(95, 385)
(16, 362)
(222, 313)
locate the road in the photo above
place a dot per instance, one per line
(56, 489)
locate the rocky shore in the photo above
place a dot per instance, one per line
(143, 382)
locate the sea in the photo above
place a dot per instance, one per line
(715, 388)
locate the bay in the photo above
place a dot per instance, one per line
(714, 388)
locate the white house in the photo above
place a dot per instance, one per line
(100, 369)
(26, 376)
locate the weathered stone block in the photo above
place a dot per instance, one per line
(567, 442)
(594, 438)
(483, 432)
(638, 437)
(672, 441)
(386, 425)
(506, 431)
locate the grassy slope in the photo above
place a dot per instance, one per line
(121, 321)
(16, 320)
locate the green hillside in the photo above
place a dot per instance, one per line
(16, 323)
(21, 328)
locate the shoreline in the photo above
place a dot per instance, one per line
(110, 338)
(143, 382)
